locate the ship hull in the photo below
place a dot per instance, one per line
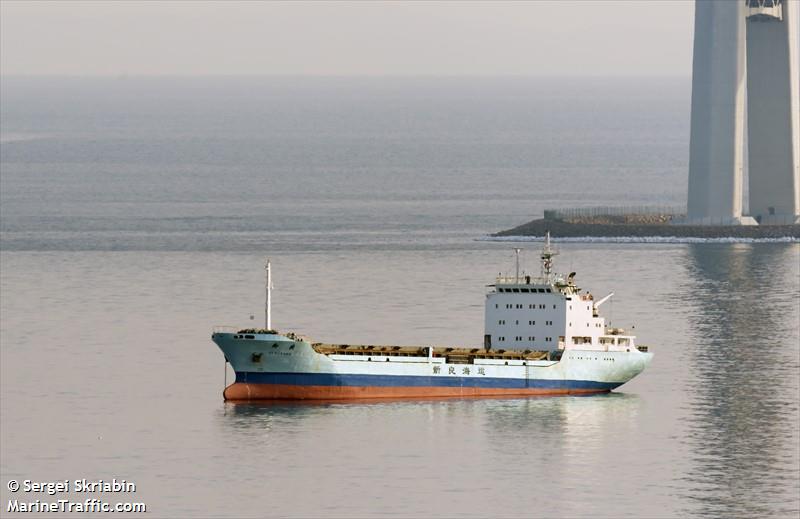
(275, 367)
(308, 386)
(245, 392)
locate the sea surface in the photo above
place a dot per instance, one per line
(136, 213)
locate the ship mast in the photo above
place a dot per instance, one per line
(547, 257)
(516, 276)
(268, 309)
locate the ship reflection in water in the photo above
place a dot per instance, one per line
(744, 361)
(427, 450)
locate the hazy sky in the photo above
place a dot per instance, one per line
(546, 37)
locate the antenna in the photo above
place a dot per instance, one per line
(516, 275)
(268, 309)
(547, 257)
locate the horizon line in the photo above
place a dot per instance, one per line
(365, 76)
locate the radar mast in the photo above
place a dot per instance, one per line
(547, 258)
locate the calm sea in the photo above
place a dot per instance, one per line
(136, 213)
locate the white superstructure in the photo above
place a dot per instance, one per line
(548, 312)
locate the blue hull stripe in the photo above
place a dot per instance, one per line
(333, 379)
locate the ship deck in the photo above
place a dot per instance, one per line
(453, 355)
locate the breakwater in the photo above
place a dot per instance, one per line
(642, 226)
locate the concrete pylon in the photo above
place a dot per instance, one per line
(773, 114)
(745, 48)
(716, 151)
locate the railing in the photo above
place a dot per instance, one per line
(557, 279)
(521, 280)
(225, 329)
(591, 212)
(762, 3)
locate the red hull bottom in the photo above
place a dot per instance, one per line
(240, 391)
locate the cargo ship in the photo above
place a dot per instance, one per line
(543, 335)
